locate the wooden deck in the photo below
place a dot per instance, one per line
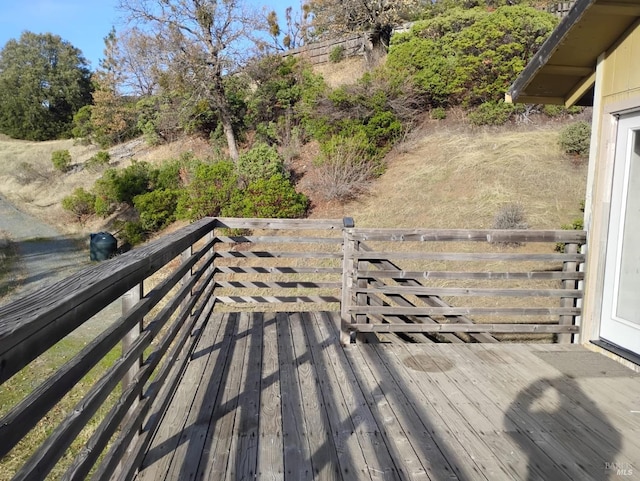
(275, 396)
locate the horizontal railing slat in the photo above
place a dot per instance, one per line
(277, 240)
(276, 285)
(466, 328)
(466, 311)
(469, 256)
(278, 270)
(276, 299)
(462, 275)
(277, 255)
(461, 292)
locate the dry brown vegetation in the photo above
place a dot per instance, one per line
(459, 177)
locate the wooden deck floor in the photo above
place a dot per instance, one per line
(276, 397)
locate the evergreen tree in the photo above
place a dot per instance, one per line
(44, 81)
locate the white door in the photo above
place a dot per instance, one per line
(620, 323)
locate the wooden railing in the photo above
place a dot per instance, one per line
(167, 290)
(434, 282)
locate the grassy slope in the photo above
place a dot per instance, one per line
(459, 177)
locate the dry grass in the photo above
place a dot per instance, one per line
(460, 178)
(342, 73)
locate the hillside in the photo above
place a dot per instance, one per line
(447, 175)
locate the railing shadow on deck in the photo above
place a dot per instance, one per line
(170, 287)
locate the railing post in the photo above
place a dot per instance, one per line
(568, 320)
(348, 266)
(211, 300)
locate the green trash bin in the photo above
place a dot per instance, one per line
(102, 246)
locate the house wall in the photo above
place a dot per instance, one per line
(617, 91)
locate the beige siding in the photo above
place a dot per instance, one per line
(619, 90)
(622, 76)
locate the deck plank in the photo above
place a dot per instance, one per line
(179, 433)
(417, 460)
(431, 390)
(218, 456)
(351, 418)
(243, 450)
(270, 460)
(274, 396)
(299, 428)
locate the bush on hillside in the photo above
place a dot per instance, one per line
(209, 191)
(61, 160)
(157, 209)
(275, 197)
(80, 203)
(491, 113)
(468, 56)
(344, 170)
(98, 161)
(261, 162)
(511, 216)
(575, 138)
(337, 54)
(121, 186)
(130, 233)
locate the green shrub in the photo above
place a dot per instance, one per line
(337, 54)
(438, 113)
(98, 161)
(131, 233)
(575, 138)
(560, 110)
(261, 162)
(468, 55)
(61, 160)
(209, 191)
(383, 129)
(577, 224)
(103, 206)
(123, 185)
(157, 209)
(274, 197)
(491, 113)
(80, 203)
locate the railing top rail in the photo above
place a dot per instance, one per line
(298, 224)
(473, 235)
(61, 307)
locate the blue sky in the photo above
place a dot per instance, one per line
(83, 23)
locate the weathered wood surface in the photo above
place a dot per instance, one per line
(408, 272)
(469, 235)
(275, 397)
(31, 325)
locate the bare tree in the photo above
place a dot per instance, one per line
(376, 18)
(203, 40)
(294, 34)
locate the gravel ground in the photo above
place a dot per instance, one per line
(45, 257)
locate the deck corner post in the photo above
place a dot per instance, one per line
(568, 320)
(348, 266)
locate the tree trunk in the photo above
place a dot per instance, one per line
(224, 115)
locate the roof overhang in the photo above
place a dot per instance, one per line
(563, 71)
